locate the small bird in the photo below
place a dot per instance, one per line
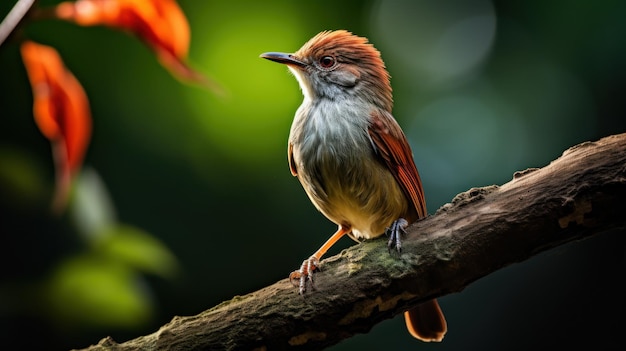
(351, 156)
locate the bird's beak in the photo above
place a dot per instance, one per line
(281, 57)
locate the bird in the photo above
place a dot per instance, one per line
(351, 156)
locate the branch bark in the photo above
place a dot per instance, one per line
(482, 230)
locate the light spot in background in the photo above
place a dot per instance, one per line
(440, 41)
(251, 123)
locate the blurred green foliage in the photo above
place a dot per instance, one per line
(482, 89)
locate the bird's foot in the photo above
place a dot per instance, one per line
(395, 232)
(304, 276)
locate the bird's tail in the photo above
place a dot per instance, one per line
(426, 321)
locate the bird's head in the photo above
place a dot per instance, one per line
(339, 65)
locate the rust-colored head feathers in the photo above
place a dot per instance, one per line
(347, 48)
(348, 62)
(352, 51)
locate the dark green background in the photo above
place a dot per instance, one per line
(202, 204)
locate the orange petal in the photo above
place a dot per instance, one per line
(60, 107)
(161, 24)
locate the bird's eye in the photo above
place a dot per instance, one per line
(327, 61)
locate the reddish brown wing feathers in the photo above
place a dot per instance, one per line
(292, 162)
(425, 322)
(391, 145)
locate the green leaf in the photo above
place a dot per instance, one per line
(139, 250)
(87, 291)
(92, 208)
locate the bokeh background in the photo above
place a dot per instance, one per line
(186, 198)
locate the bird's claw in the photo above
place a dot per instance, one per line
(395, 232)
(304, 276)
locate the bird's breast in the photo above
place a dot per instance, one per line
(340, 172)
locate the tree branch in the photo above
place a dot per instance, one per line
(13, 18)
(480, 231)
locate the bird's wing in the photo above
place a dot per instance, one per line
(390, 144)
(292, 162)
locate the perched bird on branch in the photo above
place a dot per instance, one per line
(351, 156)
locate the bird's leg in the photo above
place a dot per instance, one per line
(395, 232)
(304, 275)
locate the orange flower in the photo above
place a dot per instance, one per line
(161, 24)
(61, 111)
